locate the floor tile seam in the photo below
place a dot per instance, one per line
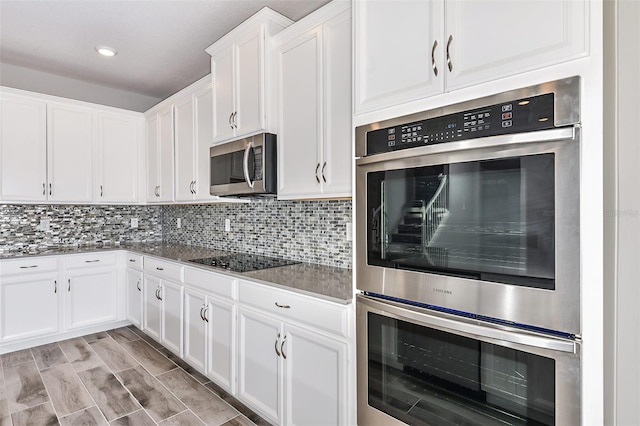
(43, 385)
(8, 412)
(127, 352)
(132, 413)
(34, 407)
(155, 349)
(125, 388)
(85, 409)
(177, 414)
(89, 347)
(59, 348)
(20, 363)
(95, 403)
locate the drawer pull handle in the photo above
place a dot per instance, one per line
(449, 63)
(282, 306)
(55, 286)
(92, 261)
(132, 260)
(159, 293)
(159, 269)
(276, 345)
(282, 347)
(204, 315)
(138, 285)
(69, 281)
(29, 267)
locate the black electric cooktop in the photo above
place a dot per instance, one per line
(243, 262)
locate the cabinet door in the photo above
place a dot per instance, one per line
(337, 154)
(70, 153)
(221, 343)
(134, 297)
(151, 306)
(299, 115)
(91, 296)
(184, 147)
(223, 93)
(512, 37)
(195, 329)
(315, 378)
(118, 157)
(249, 75)
(394, 43)
(165, 150)
(260, 369)
(153, 159)
(29, 306)
(23, 150)
(171, 296)
(204, 140)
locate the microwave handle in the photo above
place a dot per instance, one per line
(245, 164)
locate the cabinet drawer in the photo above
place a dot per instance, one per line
(28, 265)
(134, 261)
(308, 310)
(90, 259)
(218, 284)
(163, 269)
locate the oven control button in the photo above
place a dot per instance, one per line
(392, 137)
(507, 107)
(506, 115)
(507, 123)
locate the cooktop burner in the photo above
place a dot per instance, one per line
(243, 262)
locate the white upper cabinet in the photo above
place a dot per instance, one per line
(411, 49)
(193, 119)
(241, 68)
(23, 149)
(70, 153)
(313, 69)
(119, 157)
(160, 139)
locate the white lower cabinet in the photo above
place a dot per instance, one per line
(134, 296)
(290, 373)
(29, 306)
(162, 315)
(90, 290)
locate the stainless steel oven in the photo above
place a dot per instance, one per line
(474, 208)
(423, 367)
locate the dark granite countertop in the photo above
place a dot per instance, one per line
(325, 282)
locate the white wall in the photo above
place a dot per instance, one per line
(52, 84)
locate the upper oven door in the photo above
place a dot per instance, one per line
(487, 226)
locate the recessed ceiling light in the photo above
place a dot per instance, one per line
(106, 51)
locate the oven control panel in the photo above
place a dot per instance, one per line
(518, 116)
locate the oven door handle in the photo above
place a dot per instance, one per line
(470, 328)
(245, 164)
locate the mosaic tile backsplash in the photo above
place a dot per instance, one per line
(307, 231)
(75, 225)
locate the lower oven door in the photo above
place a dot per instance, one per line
(429, 368)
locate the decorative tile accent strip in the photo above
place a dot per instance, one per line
(74, 225)
(307, 231)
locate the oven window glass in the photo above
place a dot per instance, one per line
(490, 220)
(425, 376)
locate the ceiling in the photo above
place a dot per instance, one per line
(160, 43)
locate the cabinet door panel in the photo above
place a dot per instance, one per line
(513, 36)
(91, 296)
(151, 307)
(249, 83)
(23, 150)
(153, 158)
(134, 297)
(204, 139)
(299, 74)
(30, 307)
(171, 328)
(194, 329)
(394, 41)
(184, 148)
(221, 318)
(337, 155)
(165, 149)
(70, 153)
(315, 371)
(118, 140)
(223, 98)
(259, 372)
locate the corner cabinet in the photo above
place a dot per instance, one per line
(408, 50)
(313, 69)
(242, 69)
(293, 357)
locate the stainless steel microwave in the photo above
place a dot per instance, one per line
(245, 166)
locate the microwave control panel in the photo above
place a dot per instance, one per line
(522, 115)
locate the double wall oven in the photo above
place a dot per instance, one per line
(468, 262)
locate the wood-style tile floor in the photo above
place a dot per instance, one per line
(118, 377)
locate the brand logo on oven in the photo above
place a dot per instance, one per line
(442, 291)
